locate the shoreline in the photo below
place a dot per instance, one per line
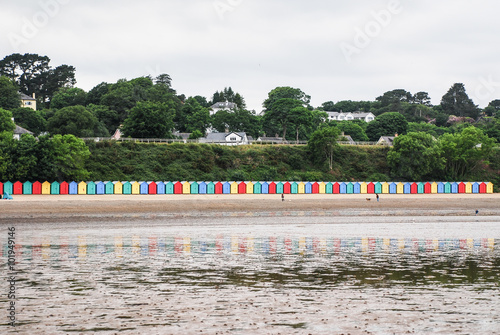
(112, 207)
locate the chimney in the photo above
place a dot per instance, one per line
(33, 96)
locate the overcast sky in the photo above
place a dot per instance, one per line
(332, 50)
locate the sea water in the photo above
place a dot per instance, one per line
(258, 275)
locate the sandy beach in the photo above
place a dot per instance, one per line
(81, 206)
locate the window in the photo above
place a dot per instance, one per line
(232, 139)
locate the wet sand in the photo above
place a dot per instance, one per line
(107, 206)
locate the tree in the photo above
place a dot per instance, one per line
(285, 93)
(352, 129)
(9, 96)
(70, 155)
(280, 113)
(493, 108)
(30, 119)
(395, 96)
(323, 144)
(464, 152)
(239, 120)
(457, 102)
(74, 120)
(68, 96)
(108, 117)
(6, 123)
(230, 96)
(422, 98)
(387, 124)
(149, 120)
(414, 156)
(197, 117)
(95, 95)
(300, 117)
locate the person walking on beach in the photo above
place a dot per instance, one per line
(377, 196)
(477, 211)
(282, 197)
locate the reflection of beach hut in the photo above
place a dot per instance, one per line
(18, 188)
(64, 188)
(73, 188)
(257, 188)
(202, 187)
(127, 188)
(169, 188)
(46, 188)
(136, 187)
(242, 188)
(109, 187)
(55, 188)
(195, 188)
(82, 187)
(28, 188)
(100, 188)
(250, 187)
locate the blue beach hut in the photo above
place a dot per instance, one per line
(393, 188)
(407, 188)
(160, 187)
(475, 188)
(202, 188)
(100, 188)
(342, 188)
(226, 188)
(265, 188)
(73, 187)
(441, 187)
(454, 188)
(356, 188)
(308, 188)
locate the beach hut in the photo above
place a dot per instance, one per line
(475, 188)
(461, 187)
(117, 187)
(178, 187)
(272, 187)
(202, 187)
(371, 188)
(489, 188)
(234, 187)
(46, 188)
(72, 189)
(468, 187)
(136, 187)
(434, 188)
(265, 188)
(301, 188)
(109, 187)
(55, 188)
(152, 187)
(28, 188)
(279, 188)
(328, 188)
(249, 187)
(363, 188)
(100, 188)
(257, 188)
(343, 188)
(1, 188)
(393, 188)
(8, 187)
(82, 187)
(385, 187)
(144, 187)
(127, 187)
(454, 188)
(226, 188)
(294, 188)
(308, 188)
(414, 188)
(242, 188)
(186, 187)
(447, 187)
(407, 188)
(483, 188)
(427, 188)
(169, 188)
(321, 188)
(91, 188)
(160, 187)
(219, 188)
(350, 188)
(287, 188)
(194, 188)
(18, 188)
(335, 188)
(400, 188)
(440, 187)
(211, 188)
(357, 188)
(420, 188)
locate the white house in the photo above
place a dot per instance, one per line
(341, 116)
(18, 131)
(226, 138)
(27, 101)
(223, 105)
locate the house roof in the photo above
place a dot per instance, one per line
(20, 130)
(221, 137)
(387, 139)
(224, 105)
(26, 97)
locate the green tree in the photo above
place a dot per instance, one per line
(354, 130)
(9, 96)
(74, 120)
(195, 135)
(280, 114)
(414, 156)
(464, 152)
(300, 117)
(108, 117)
(6, 123)
(68, 96)
(70, 155)
(457, 102)
(150, 120)
(395, 96)
(95, 95)
(197, 117)
(387, 124)
(30, 119)
(493, 108)
(323, 145)
(285, 93)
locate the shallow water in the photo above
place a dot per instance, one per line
(232, 276)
